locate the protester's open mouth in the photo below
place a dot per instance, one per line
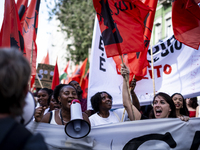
(158, 112)
(69, 102)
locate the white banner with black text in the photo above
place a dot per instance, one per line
(176, 69)
(150, 134)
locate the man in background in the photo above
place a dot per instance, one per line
(83, 101)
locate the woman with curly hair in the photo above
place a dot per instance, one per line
(102, 103)
(63, 94)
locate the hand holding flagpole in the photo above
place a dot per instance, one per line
(125, 74)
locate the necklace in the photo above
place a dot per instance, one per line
(61, 118)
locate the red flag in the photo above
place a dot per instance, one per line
(75, 70)
(21, 7)
(78, 76)
(137, 62)
(84, 85)
(30, 31)
(32, 80)
(11, 32)
(69, 78)
(55, 80)
(186, 22)
(66, 67)
(42, 62)
(45, 60)
(121, 24)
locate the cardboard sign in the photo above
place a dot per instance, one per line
(45, 73)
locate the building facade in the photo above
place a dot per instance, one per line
(162, 27)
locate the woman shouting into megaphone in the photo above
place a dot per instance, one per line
(64, 94)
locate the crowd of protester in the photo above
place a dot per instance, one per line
(163, 105)
(53, 106)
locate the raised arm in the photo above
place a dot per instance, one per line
(135, 100)
(132, 111)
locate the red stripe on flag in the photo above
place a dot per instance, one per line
(55, 80)
(11, 32)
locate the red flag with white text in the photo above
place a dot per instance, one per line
(186, 22)
(30, 32)
(11, 32)
(121, 25)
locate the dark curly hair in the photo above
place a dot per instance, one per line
(49, 92)
(183, 111)
(193, 102)
(169, 100)
(96, 100)
(57, 90)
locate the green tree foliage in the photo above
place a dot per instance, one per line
(77, 20)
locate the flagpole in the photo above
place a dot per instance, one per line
(152, 68)
(39, 80)
(31, 59)
(127, 83)
(81, 80)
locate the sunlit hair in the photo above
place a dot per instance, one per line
(96, 100)
(183, 111)
(169, 100)
(14, 76)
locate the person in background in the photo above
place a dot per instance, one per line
(102, 103)
(144, 110)
(54, 104)
(44, 97)
(181, 108)
(63, 93)
(15, 73)
(76, 85)
(197, 112)
(191, 104)
(134, 96)
(164, 107)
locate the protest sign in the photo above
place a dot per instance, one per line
(45, 73)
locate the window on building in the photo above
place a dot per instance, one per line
(158, 32)
(169, 30)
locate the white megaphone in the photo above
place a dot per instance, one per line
(28, 110)
(77, 128)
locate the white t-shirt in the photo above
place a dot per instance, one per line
(114, 117)
(53, 118)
